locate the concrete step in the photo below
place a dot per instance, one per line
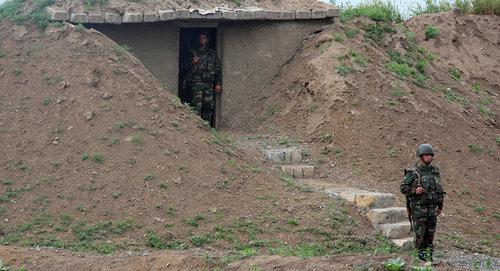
(387, 215)
(284, 156)
(406, 244)
(396, 230)
(364, 198)
(298, 171)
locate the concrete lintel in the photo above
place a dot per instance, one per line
(79, 18)
(243, 15)
(318, 14)
(259, 14)
(96, 18)
(288, 15)
(332, 12)
(195, 14)
(229, 14)
(113, 18)
(151, 16)
(58, 14)
(216, 15)
(166, 15)
(274, 15)
(182, 14)
(132, 17)
(303, 15)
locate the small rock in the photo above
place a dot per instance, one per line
(65, 85)
(61, 100)
(106, 95)
(88, 115)
(178, 180)
(55, 142)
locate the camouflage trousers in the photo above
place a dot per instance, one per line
(424, 226)
(202, 100)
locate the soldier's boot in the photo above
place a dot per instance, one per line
(421, 255)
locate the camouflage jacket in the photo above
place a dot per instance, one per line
(428, 177)
(207, 70)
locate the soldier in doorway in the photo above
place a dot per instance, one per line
(203, 78)
(424, 192)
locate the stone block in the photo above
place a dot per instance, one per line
(243, 15)
(113, 18)
(217, 15)
(387, 215)
(396, 230)
(151, 16)
(406, 244)
(303, 15)
(79, 18)
(259, 14)
(288, 15)
(332, 12)
(274, 15)
(375, 200)
(132, 17)
(96, 18)
(229, 15)
(298, 171)
(195, 14)
(166, 15)
(58, 14)
(284, 156)
(182, 14)
(349, 196)
(318, 14)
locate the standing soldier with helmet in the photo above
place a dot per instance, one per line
(424, 192)
(203, 77)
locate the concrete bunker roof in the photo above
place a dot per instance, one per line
(217, 14)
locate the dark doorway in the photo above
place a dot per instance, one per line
(188, 39)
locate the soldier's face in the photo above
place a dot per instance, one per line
(202, 40)
(426, 158)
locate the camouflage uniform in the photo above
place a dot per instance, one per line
(424, 207)
(200, 81)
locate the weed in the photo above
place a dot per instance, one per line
(120, 126)
(327, 137)
(476, 88)
(375, 10)
(393, 103)
(201, 240)
(344, 69)
(194, 221)
(292, 222)
(455, 74)
(65, 219)
(46, 101)
(485, 111)
(475, 149)
(401, 70)
(358, 58)
(479, 208)
(18, 72)
(497, 140)
(137, 140)
(270, 111)
(350, 32)
(13, 10)
(116, 194)
(163, 185)
(376, 32)
(420, 80)
(149, 177)
(91, 4)
(7, 182)
(2, 54)
(432, 6)
(486, 101)
(172, 211)
(81, 208)
(153, 240)
(121, 51)
(451, 96)
(421, 65)
(85, 157)
(394, 264)
(98, 158)
(338, 38)
(431, 32)
(287, 179)
(397, 92)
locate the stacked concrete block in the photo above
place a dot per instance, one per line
(284, 156)
(318, 14)
(332, 12)
(216, 15)
(113, 18)
(298, 171)
(243, 14)
(182, 14)
(79, 18)
(151, 17)
(96, 18)
(303, 15)
(132, 17)
(58, 14)
(166, 15)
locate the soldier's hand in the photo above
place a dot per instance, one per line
(419, 190)
(196, 60)
(440, 211)
(218, 88)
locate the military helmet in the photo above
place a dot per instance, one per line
(425, 149)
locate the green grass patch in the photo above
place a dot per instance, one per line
(431, 32)
(92, 4)
(432, 6)
(455, 74)
(344, 69)
(14, 10)
(381, 11)
(377, 31)
(401, 70)
(98, 158)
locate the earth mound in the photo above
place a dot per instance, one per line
(362, 95)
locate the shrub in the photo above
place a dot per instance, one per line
(431, 32)
(401, 70)
(377, 31)
(432, 6)
(377, 10)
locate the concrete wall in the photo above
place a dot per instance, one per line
(156, 45)
(253, 52)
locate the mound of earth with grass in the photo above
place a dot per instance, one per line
(362, 95)
(98, 157)
(124, 5)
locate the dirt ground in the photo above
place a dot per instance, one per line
(98, 158)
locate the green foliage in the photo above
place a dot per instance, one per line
(476, 88)
(153, 240)
(485, 111)
(92, 4)
(475, 149)
(452, 96)
(201, 240)
(431, 32)
(194, 221)
(338, 38)
(381, 11)
(486, 101)
(401, 70)
(14, 10)
(350, 32)
(455, 74)
(394, 264)
(432, 6)
(149, 177)
(485, 6)
(497, 140)
(121, 51)
(377, 31)
(98, 158)
(344, 69)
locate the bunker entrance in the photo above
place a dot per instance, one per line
(188, 42)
